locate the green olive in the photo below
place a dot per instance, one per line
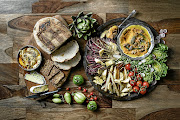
(56, 100)
(67, 97)
(56, 95)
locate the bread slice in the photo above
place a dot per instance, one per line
(69, 64)
(57, 78)
(46, 67)
(49, 34)
(52, 73)
(66, 52)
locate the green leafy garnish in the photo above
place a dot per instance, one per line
(153, 66)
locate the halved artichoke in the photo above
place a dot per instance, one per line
(83, 26)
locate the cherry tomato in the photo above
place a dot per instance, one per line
(132, 82)
(67, 88)
(91, 98)
(145, 84)
(139, 83)
(84, 90)
(143, 90)
(79, 88)
(128, 66)
(88, 96)
(136, 70)
(95, 98)
(139, 77)
(87, 101)
(136, 89)
(91, 93)
(131, 74)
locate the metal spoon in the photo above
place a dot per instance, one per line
(130, 15)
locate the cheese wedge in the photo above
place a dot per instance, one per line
(35, 77)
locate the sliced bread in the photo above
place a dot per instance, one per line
(66, 52)
(69, 64)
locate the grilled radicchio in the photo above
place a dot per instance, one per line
(99, 49)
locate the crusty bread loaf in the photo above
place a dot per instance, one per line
(49, 34)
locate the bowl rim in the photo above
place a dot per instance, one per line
(30, 46)
(152, 41)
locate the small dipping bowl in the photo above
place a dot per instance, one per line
(18, 55)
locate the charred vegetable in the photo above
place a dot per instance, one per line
(83, 26)
(110, 33)
(102, 53)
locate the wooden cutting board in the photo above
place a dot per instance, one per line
(45, 56)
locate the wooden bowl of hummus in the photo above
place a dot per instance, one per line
(29, 58)
(135, 41)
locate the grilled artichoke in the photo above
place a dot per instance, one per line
(83, 26)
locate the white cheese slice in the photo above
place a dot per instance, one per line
(35, 77)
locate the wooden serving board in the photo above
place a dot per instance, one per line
(45, 56)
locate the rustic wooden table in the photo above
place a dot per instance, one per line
(16, 29)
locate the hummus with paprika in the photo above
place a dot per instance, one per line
(135, 41)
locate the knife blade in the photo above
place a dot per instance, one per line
(33, 96)
(43, 94)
